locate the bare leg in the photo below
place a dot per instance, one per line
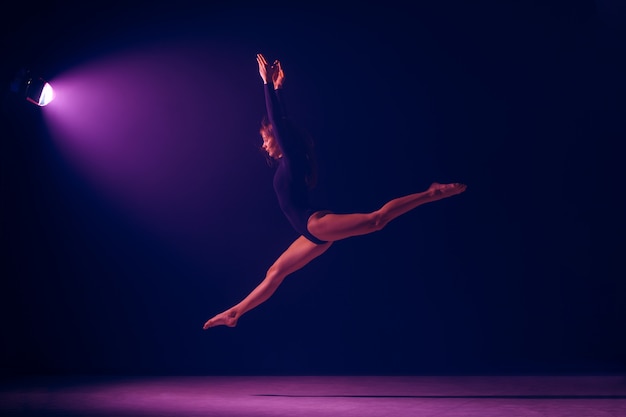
(332, 227)
(298, 254)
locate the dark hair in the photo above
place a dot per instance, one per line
(306, 140)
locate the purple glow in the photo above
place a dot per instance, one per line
(321, 396)
(154, 130)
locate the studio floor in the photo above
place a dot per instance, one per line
(316, 396)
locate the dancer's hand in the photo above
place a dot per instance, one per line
(265, 71)
(272, 72)
(278, 75)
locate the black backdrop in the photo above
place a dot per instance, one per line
(523, 273)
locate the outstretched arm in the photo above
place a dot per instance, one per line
(278, 78)
(275, 110)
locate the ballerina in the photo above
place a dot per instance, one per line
(293, 179)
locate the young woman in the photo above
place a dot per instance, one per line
(293, 179)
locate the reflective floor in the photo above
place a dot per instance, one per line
(317, 396)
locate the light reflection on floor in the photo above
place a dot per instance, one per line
(358, 396)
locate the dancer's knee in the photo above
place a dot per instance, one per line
(277, 273)
(377, 220)
(274, 273)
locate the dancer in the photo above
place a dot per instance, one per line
(293, 179)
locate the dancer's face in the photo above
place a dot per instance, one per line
(270, 145)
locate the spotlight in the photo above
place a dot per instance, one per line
(34, 89)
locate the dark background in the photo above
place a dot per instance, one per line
(523, 273)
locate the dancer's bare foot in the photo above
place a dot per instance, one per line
(227, 318)
(440, 191)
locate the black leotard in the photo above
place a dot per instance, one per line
(290, 176)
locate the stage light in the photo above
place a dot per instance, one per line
(39, 92)
(34, 89)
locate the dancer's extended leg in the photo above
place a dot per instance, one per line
(298, 254)
(332, 227)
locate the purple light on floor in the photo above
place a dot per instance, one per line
(322, 396)
(151, 130)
